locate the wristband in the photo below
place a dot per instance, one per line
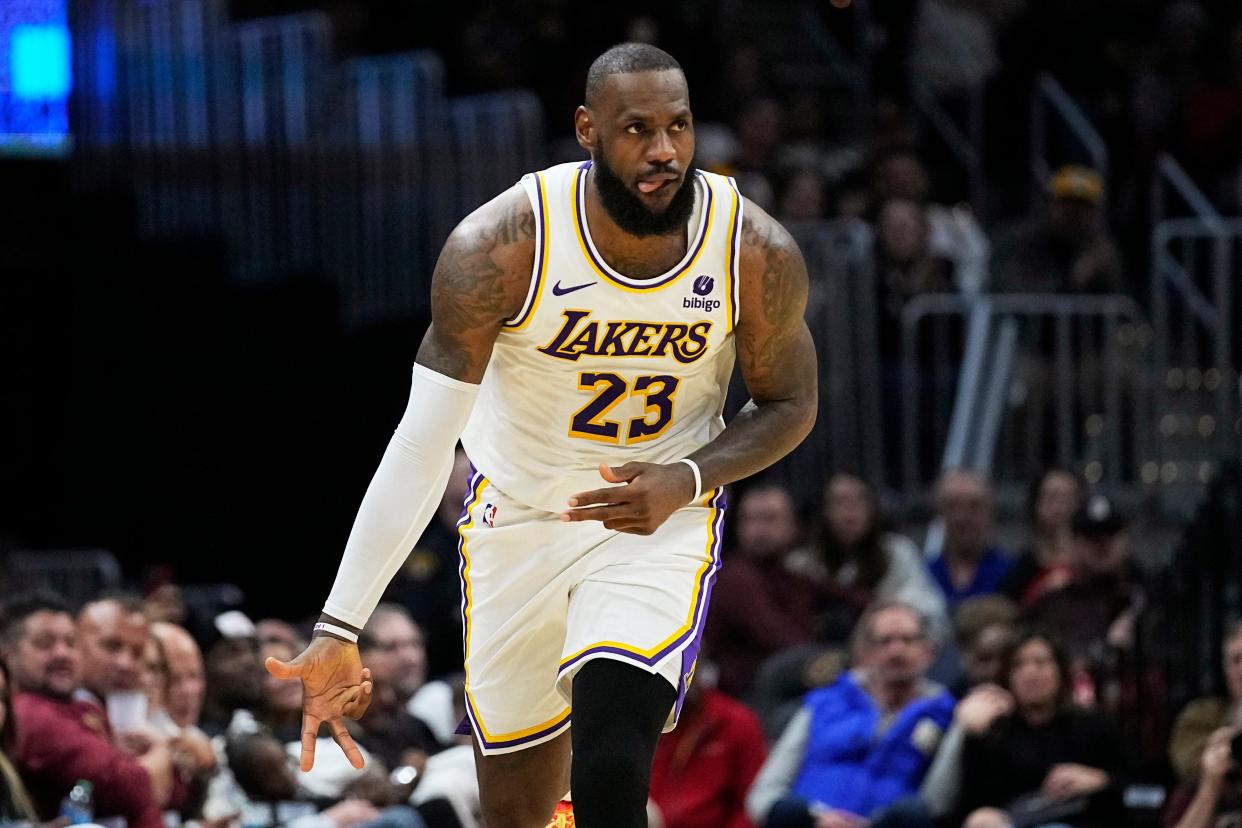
(339, 632)
(698, 478)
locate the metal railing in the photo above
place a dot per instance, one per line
(385, 215)
(1195, 262)
(75, 574)
(962, 136)
(841, 314)
(1041, 378)
(1051, 105)
(253, 133)
(964, 141)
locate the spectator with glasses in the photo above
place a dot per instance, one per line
(856, 753)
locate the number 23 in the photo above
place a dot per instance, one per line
(610, 389)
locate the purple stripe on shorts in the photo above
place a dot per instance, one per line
(471, 481)
(473, 719)
(691, 654)
(700, 608)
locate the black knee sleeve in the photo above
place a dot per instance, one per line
(619, 711)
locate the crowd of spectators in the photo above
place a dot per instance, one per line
(847, 680)
(172, 728)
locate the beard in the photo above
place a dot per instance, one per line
(628, 210)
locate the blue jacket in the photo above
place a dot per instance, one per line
(849, 765)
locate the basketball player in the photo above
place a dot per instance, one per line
(585, 324)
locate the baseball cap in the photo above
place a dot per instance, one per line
(1077, 182)
(1098, 517)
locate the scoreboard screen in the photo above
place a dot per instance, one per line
(35, 78)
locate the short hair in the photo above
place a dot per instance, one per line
(862, 630)
(366, 638)
(131, 603)
(18, 609)
(965, 473)
(974, 615)
(623, 59)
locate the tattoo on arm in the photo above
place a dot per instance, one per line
(480, 280)
(769, 332)
(776, 354)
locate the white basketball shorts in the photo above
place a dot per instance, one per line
(541, 597)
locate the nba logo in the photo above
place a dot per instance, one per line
(489, 515)
(703, 285)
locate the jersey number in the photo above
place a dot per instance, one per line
(610, 389)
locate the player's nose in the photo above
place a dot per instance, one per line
(661, 150)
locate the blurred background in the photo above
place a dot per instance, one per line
(1020, 220)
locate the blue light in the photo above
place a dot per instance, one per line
(39, 60)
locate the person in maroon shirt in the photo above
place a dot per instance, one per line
(758, 606)
(704, 768)
(61, 740)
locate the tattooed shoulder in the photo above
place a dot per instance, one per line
(773, 274)
(480, 280)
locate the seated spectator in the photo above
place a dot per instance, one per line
(802, 197)
(112, 642)
(428, 586)
(175, 717)
(969, 563)
(984, 628)
(1096, 613)
(266, 793)
(1066, 250)
(395, 650)
(862, 562)
(450, 778)
(276, 629)
(186, 681)
(759, 607)
(281, 711)
(703, 769)
(392, 647)
(905, 264)
(153, 678)
(1203, 717)
(1045, 565)
(953, 234)
(1029, 756)
(61, 739)
(15, 804)
(163, 599)
(1215, 801)
(233, 670)
(859, 748)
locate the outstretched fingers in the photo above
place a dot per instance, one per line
(346, 742)
(310, 733)
(283, 669)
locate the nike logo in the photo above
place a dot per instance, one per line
(557, 290)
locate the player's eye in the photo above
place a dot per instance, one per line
(634, 129)
(680, 126)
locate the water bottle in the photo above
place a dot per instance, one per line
(79, 806)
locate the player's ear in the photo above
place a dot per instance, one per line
(584, 128)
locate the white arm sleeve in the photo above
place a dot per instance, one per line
(403, 494)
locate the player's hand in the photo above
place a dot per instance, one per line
(334, 684)
(649, 493)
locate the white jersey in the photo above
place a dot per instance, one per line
(601, 367)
